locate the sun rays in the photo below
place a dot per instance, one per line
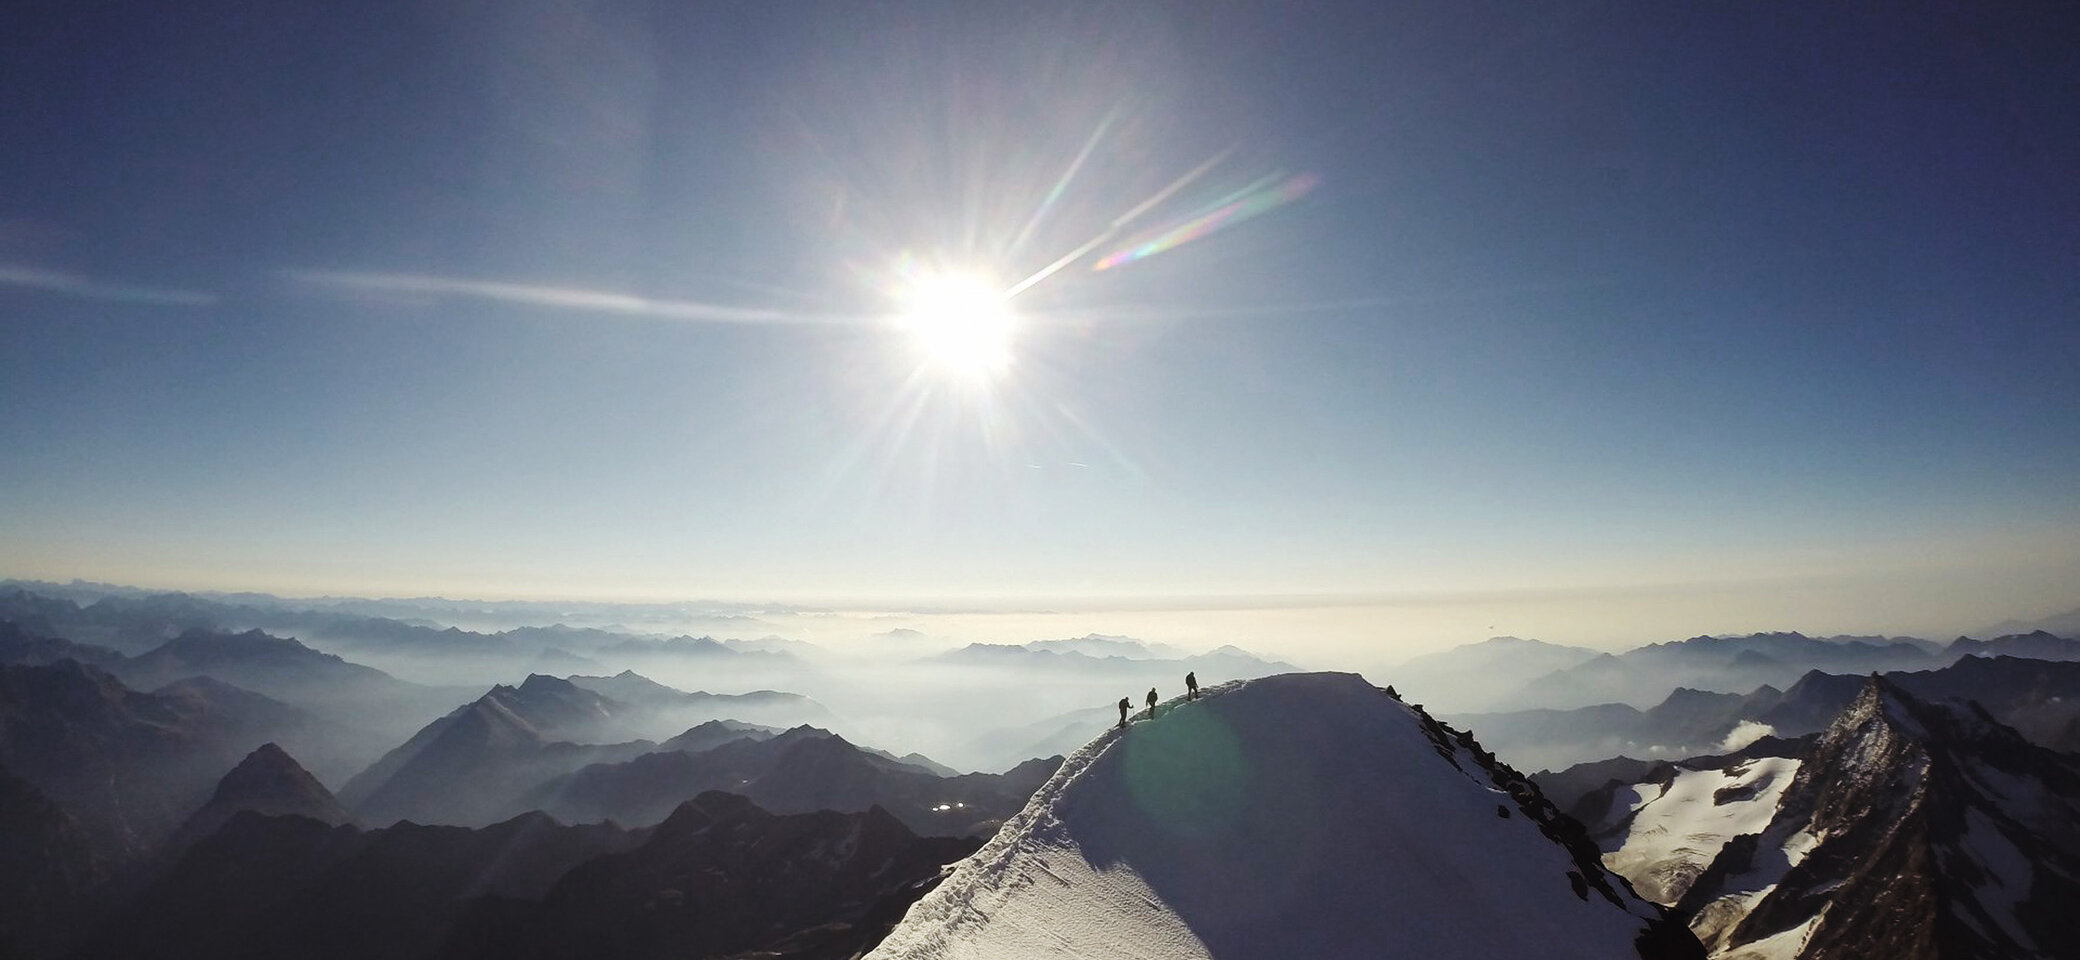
(960, 324)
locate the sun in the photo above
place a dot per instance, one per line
(959, 322)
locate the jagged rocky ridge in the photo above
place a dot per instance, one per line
(1911, 829)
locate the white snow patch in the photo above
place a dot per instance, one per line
(1801, 842)
(1675, 834)
(1782, 945)
(1294, 816)
(1642, 794)
(1777, 851)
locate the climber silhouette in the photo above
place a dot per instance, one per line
(1191, 687)
(1151, 703)
(1122, 711)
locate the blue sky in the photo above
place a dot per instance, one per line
(1588, 301)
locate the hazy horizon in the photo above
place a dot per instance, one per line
(1358, 633)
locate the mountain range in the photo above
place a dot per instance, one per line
(164, 791)
(348, 713)
(2040, 698)
(1515, 674)
(135, 622)
(1114, 659)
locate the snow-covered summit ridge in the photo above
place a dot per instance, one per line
(1301, 815)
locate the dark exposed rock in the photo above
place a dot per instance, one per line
(720, 877)
(49, 871)
(291, 886)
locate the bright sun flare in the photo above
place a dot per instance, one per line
(959, 323)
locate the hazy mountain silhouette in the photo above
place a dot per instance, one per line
(801, 770)
(2065, 624)
(366, 709)
(1646, 675)
(2039, 698)
(467, 767)
(1219, 664)
(1477, 677)
(134, 622)
(685, 647)
(669, 708)
(268, 781)
(19, 645)
(1058, 735)
(715, 733)
(1098, 645)
(130, 766)
(2035, 645)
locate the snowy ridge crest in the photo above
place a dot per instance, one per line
(1299, 815)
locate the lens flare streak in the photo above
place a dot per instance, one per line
(1119, 223)
(1061, 186)
(1265, 195)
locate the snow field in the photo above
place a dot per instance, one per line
(1675, 833)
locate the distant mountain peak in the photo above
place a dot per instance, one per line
(270, 775)
(539, 682)
(704, 811)
(268, 782)
(1509, 641)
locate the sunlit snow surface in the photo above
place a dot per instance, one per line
(1675, 833)
(1782, 945)
(1303, 815)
